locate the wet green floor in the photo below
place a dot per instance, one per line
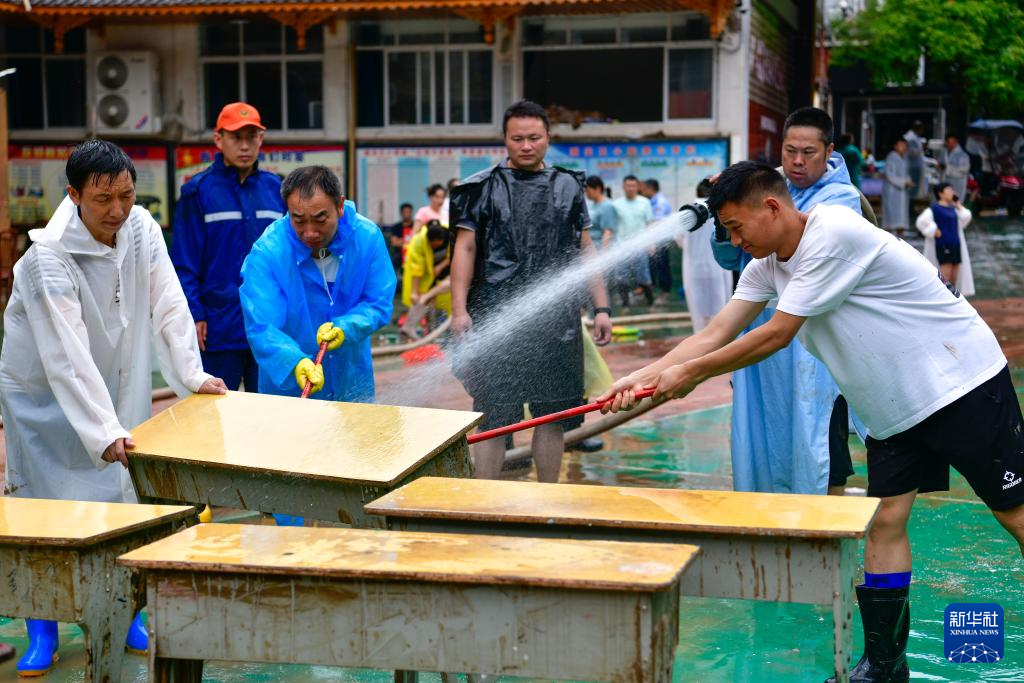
(960, 555)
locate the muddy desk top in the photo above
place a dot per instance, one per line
(349, 442)
(32, 521)
(413, 556)
(677, 510)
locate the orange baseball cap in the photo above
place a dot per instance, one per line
(238, 115)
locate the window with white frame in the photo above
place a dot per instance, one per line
(48, 89)
(260, 63)
(634, 68)
(420, 73)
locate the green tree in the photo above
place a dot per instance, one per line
(977, 46)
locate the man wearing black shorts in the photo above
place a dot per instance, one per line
(914, 359)
(517, 223)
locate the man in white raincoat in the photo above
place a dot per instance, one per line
(895, 195)
(92, 294)
(958, 166)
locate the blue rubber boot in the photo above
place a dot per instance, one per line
(138, 637)
(289, 520)
(42, 648)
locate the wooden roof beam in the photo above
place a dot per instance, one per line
(60, 24)
(301, 22)
(489, 16)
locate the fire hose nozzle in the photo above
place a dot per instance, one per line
(700, 212)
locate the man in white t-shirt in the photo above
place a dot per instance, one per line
(913, 358)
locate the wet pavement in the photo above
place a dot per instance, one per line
(961, 553)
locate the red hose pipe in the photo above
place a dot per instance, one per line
(319, 359)
(553, 417)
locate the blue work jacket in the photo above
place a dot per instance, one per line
(216, 222)
(285, 299)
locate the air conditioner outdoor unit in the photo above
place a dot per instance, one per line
(125, 90)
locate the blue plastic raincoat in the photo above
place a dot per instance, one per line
(285, 300)
(781, 406)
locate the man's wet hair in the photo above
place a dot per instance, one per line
(525, 109)
(811, 117)
(97, 159)
(653, 184)
(595, 182)
(308, 179)
(746, 182)
(437, 232)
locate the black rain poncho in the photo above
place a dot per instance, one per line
(527, 227)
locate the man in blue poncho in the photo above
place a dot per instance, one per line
(789, 423)
(320, 273)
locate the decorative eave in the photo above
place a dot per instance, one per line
(61, 16)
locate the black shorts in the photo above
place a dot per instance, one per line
(947, 253)
(980, 434)
(501, 414)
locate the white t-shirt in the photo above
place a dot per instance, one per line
(899, 343)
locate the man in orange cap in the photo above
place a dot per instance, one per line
(221, 213)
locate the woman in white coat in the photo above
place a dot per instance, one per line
(945, 245)
(92, 294)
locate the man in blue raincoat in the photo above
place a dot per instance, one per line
(320, 273)
(789, 423)
(222, 211)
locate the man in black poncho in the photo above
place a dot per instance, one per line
(518, 223)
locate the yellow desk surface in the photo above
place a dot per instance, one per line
(407, 556)
(33, 521)
(762, 514)
(353, 442)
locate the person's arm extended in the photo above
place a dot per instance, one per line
(722, 330)
(598, 293)
(679, 380)
(463, 266)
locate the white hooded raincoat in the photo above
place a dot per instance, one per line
(75, 371)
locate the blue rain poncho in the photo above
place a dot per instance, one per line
(781, 406)
(285, 299)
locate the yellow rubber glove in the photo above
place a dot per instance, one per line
(331, 334)
(306, 370)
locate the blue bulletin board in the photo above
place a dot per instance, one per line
(390, 176)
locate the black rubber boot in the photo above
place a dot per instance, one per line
(886, 616)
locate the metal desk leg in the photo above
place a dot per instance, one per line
(175, 670)
(842, 606)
